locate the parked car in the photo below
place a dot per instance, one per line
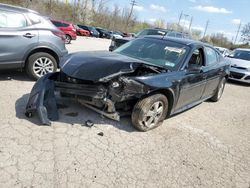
(116, 42)
(66, 27)
(224, 51)
(29, 41)
(92, 30)
(81, 32)
(117, 34)
(240, 65)
(150, 77)
(103, 33)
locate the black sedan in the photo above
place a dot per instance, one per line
(151, 78)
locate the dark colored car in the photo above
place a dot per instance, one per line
(151, 77)
(116, 42)
(103, 33)
(29, 41)
(66, 27)
(92, 30)
(81, 32)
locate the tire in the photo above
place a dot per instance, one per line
(39, 64)
(68, 39)
(146, 114)
(219, 90)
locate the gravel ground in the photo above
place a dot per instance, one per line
(206, 146)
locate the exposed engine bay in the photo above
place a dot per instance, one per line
(105, 96)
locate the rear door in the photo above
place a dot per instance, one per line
(16, 38)
(213, 71)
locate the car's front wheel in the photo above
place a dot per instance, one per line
(219, 90)
(150, 112)
(40, 64)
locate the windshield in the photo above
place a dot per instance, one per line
(150, 32)
(154, 51)
(240, 54)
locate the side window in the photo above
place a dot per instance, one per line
(34, 18)
(171, 34)
(197, 58)
(179, 35)
(211, 56)
(12, 20)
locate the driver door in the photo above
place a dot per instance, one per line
(193, 83)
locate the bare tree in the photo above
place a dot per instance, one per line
(245, 33)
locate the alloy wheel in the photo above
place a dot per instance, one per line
(42, 66)
(152, 117)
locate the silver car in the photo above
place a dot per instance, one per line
(240, 65)
(29, 41)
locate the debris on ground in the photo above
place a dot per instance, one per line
(100, 134)
(72, 114)
(88, 123)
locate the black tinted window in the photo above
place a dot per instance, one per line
(57, 24)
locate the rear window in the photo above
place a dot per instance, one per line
(57, 24)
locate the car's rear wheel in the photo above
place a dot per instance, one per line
(150, 112)
(67, 39)
(40, 64)
(219, 90)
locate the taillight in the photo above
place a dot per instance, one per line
(59, 34)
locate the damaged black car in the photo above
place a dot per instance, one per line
(150, 78)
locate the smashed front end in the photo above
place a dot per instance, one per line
(105, 92)
(103, 98)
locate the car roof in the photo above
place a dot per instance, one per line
(16, 9)
(62, 21)
(184, 41)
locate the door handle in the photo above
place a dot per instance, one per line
(29, 35)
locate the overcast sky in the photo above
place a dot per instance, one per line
(224, 15)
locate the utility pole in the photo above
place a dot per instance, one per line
(237, 33)
(190, 24)
(133, 3)
(180, 18)
(206, 28)
(185, 19)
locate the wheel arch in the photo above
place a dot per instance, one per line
(169, 93)
(45, 50)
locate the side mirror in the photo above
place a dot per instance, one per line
(194, 69)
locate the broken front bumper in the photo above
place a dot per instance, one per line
(42, 98)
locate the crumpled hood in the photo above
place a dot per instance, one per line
(97, 66)
(239, 62)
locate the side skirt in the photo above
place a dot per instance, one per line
(190, 106)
